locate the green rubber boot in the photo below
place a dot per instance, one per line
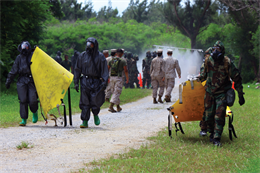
(84, 124)
(23, 123)
(96, 120)
(35, 117)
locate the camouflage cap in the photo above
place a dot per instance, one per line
(113, 50)
(105, 51)
(159, 51)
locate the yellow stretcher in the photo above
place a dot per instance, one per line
(51, 81)
(190, 106)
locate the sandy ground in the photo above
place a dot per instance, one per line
(59, 149)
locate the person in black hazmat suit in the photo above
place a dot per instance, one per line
(58, 58)
(26, 90)
(74, 60)
(92, 65)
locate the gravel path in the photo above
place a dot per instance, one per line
(59, 149)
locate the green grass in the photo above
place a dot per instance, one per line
(191, 153)
(9, 104)
(24, 144)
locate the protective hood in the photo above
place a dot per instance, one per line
(94, 41)
(20, 48)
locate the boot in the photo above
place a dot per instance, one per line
(203, 133)
(23, 123)
(167, 99)
(160, 99)
(35, 117)
(107, 100)
(84, 124)
(154, 101)
(118, 108)
(216, 142)
(96, 120)
(211, 136)
(111, 109)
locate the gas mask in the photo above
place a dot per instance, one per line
(90, 47)
(25, 49)
(217, 55)
(148, 54)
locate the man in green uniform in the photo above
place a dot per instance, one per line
(146, 69)
(66, 63)
(218, 69)
(117, 65)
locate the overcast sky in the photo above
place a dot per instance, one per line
(121, 5)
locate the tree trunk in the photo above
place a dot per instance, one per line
(193, 42)
(258, 75)
(239, 63)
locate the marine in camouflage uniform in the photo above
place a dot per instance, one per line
(157, 72)
(118, 66)
(218, 70)
(108, 89)
(146, 69)
(171, 64)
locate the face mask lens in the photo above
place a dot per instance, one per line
(24, 46)
(89, 45)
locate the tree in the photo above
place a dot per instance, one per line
(74, 10)
(137, 10)
(105, 13)
(191, 20)
(21, 20)
(246, 14)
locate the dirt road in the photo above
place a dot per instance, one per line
(59, 149)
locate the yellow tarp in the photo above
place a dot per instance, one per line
(51, 80)
(192, 106)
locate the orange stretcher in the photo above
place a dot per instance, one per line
(190, 106)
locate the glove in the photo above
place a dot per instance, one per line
(7, 85)
(76, 87)
(241, 99)
(103, 86)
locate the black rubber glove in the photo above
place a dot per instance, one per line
(103, 86)
(7, 85)
(241, 99)
(76, 87)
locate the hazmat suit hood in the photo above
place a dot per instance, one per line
(20, 48)
(95, 51)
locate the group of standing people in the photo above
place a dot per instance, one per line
(162, 73)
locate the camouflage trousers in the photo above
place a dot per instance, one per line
(169, 84)
(108, 91)
(146, 78)
(203, 123)
(116, 84)
(215, 112)
(157, 83)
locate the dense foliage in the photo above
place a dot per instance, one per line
(132, 36)
(196, 24)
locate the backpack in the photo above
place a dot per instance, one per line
(115, 66)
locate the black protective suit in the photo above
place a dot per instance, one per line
(94, 80)
(74, 60)
(26, 90)
(58, 58)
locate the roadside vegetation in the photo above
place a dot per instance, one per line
(24, 144)
(9, 104)
(192, 153)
